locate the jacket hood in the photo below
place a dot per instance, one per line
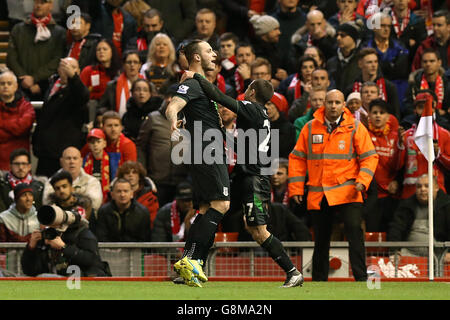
(14, 212)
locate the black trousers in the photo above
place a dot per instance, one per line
(322, 221)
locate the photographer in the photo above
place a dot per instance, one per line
(67, 241)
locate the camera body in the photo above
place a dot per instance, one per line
(50, 233)
(56, 219)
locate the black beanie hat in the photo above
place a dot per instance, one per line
(351, 30)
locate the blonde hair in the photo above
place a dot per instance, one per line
(152, 50)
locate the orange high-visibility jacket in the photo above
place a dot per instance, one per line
(334, 162)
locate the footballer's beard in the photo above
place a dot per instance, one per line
(207, 66)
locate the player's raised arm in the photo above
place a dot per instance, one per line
(212, 92)
(176, 105)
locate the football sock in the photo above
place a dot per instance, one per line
(203, 237)
(276, 251)
(188, 246)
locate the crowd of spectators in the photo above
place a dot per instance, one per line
(102, 140)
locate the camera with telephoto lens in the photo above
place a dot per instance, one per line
(56, 219)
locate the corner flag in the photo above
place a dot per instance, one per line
(423, 137)
(424, 131)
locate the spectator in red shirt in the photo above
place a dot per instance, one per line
(16, 118)
(105, 68)
(386, 141)
(117, 142)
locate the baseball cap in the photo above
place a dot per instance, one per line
(20, 189)
(96, 133)
(183, 191)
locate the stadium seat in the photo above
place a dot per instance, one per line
(155, 266)
(226, 237)
(228, 266)
(376, 237)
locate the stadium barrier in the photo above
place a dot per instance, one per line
(248, 261)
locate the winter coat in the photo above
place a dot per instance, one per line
(39, 60)
(414, 82)
(286, 135)
(404, 217)
(81, 250)
(104, 25)
(154, 150)
(60, 122)
(7, 194)
(343, 73)
(430, 42)
(16, 226)
(16, 122)
(334, 161)
(135, 115)
(289, 23)
(84, 184)
(299, 43)
(133, 225)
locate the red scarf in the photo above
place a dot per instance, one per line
(13, 181)
(285, 200)
(118, 30)
(89, 168)
(42, 32)
(427, 5)
(438, 88)
(56, 86)
(296, 84)
(239, 83)
(399, 28)
(380, 83)
(75, 49)
(309, 42)
(122, 86)
(142, 44)
(221, 83)
(380, 132)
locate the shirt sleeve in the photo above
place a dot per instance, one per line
(189, 90)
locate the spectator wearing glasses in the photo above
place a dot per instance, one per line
(117, 90)
(20, 172)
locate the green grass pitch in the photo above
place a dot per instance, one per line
(215, 290)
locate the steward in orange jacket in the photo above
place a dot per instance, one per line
(335, 162)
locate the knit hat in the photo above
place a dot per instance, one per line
(350, 29)
(354, 95)
(20, 189)
(264, 24)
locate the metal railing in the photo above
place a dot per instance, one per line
(247, 259)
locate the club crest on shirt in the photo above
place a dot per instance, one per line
(183, 89)
(341, 145)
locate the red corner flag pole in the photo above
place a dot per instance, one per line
(424, 141)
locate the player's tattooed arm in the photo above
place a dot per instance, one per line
(175, 106)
